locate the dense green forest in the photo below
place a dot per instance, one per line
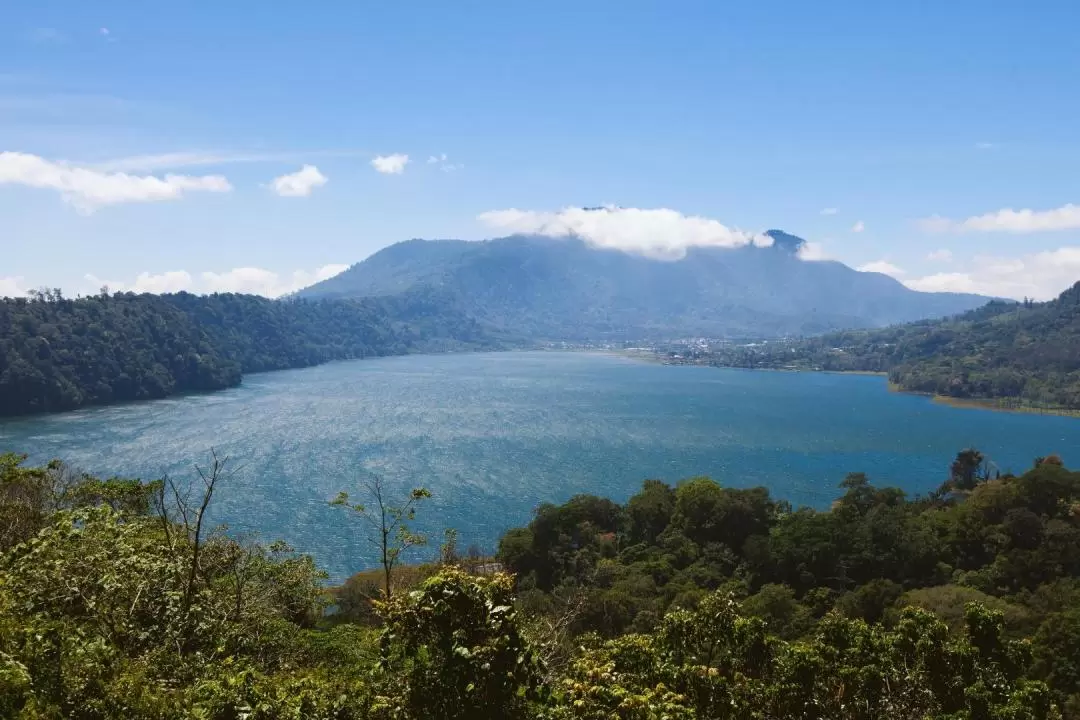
(1022, 353)
(61, 354)
(692, 601)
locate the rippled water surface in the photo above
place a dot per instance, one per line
(492, 435)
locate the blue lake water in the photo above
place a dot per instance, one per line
(492, 435)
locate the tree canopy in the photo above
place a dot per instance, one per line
(60, 354)
(688, 602)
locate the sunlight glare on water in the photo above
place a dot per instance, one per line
(492, 435)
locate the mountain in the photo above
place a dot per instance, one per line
(1018, 354)
(564, 289)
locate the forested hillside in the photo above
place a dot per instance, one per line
(1021, 353)
(60, 354)
(689, 602)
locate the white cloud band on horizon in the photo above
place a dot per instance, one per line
(1041, 276)
(390, 164)
(164, 161)
(1066, 217)
(659, 233)
(299, 183)
(249, 280)
(882, 266)
(197, 158)
(12, 287)
(88, 189)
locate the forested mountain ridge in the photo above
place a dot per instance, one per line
(564, 289)
(60, 354)
(1020, 353)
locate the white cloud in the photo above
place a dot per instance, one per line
(299, 183)
(303, 278)
(196, 158)
(1066, 217)
(89, 189)
(942, 255)
(390, 164)
(256, 281)
(166, 282)
(93, 284)
(12, 287)
(659, 233)
(243, 280)
(1040, 275)
(985, 145)
(829, 211)
(858, 227)
(164, 161)
(881, 266)
(443, 161)
(266, 282)
(103, 31)
(813, 252)
(944, 282)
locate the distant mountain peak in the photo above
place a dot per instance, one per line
(572, 291)
(785, 241)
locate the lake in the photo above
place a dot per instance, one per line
(492, 435)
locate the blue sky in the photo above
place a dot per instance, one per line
(894, 137)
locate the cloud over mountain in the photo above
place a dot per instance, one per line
(659, 233)
(881, 266)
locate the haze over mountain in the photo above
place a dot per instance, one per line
(565, 289)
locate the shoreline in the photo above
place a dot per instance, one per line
(1003, 404)
(997, 405)
(212, 391)
(639, 355)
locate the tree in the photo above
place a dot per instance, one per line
(1057, 653)
(649, 512)
(776, 605)
(388, 523)
(707, 513)
(457, 648)
(968, 469)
